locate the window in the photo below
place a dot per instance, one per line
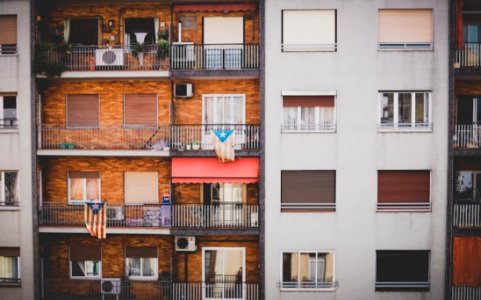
(83, 110)
(8, 34)
(8, 111)
(141, 187)
(468, 186)
(9, 265)
(308, 191)
(141, 30)
(469, 110)
(83, 186)
(309, 30)
(8, 188)
(81, 31)
(223, 42)
(401, 190)
(405, 28)
(405, 110)
(226, 201)
(307, 270)
(141, 263)
(402, 270)
(223, 109)
(85, 262)
(140, 109)
(308, 113)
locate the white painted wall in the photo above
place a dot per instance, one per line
(357, 71)
(15, 151)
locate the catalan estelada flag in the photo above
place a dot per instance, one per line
(224, 140)
(95, 214)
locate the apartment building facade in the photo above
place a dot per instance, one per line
(356, 149)
(464, 235)
(131, 98)
(16, 205)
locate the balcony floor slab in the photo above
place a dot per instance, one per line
(81, 152)
(111, 230)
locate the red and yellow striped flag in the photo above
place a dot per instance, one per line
(95, 215)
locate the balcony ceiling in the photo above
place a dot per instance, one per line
(472, 5)
(52, 2)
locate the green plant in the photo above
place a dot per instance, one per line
(163, 49)
(50, 59)
(194, 142)
(138, 48)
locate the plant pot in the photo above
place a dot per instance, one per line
(164, 64)
(196, 147)
(166, 149)
(63, 145)
(71, 146)
(188, 147)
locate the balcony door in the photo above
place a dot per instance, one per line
(469, 119)
(223, 42)
(223, 272)
(223, 112)
(225, 201)
(468, 187)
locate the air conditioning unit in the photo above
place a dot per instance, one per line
(185, 244)
(109, 57)
(110, 286)
(183, 90)
(115, 213)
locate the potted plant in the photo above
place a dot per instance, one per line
(64, 145)
(50, 59)
(138, 50)
(195, 145)
(163, 53)
(188, 146)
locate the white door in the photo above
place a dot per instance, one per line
(223, 112)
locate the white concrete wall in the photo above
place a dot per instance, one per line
(15, 151)
(357, 71)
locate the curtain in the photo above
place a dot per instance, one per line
(467, 261)
(66, 30)
(156, 29)
(93, 189)
(8, 267)
(76, 189)
(459, 24)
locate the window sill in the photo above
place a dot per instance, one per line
(405, 129)
(403, 49)
(397, 208)
(9, 208)
(14, 285)
(12, 130)
(135, 278)
(9, 55)
(85, 278)
(308, 131)
(332, 289)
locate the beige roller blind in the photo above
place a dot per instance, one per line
(140, 109)
(83, 110)
(224, 30)
(8, 29)
(405, 26)
(141, 187)
(308, 27)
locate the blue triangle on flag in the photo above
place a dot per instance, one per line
(95, 206)
(223, 134)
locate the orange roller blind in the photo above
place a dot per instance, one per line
(308, 101)
(8, 29)
(467, 261)
(405, 26)
(403, 186)
(83, 110)
(141, 109)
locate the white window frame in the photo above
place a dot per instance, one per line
(84, 188)
(18, 268)
(2, 116)
(298, 288)
(3, 187)
(422, 127)
(85, 277)
(204, 96)
(142, 277)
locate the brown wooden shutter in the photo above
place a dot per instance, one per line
(83, 110)
(141, 109)
(81, 253)
(8, 31)
(308, 101)
(405, 25)
(93, 175)
(308, 186)
(403, 186)
(10, 251)
(136, 252)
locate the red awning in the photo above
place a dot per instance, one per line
(215, 7)
(210, 170)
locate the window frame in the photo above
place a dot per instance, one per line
(81, 127)
(475, 175)
(84, 189)
(99, 29)
(14, 281)
(323, 47)
(392, 286)
(16, 202)
(86, 276)
(3, 121)
(413, 127)
(125, 125)
(299, 287)
(142, 277)
(10, 49)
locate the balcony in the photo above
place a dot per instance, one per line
(8, 124)
(467, 215)
(54, 289)
(469, 57)
(465, 292)
(222, 216)
(467, 136)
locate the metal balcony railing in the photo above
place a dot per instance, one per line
(214, 57)
(465, 292)
(56, 289)
(155, 215)
(8, 123)
(467, 136)
(101, 58)
(199, 137)
(469, 56)
(467, 215)
(104, 137)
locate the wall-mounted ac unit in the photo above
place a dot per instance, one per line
(183, 90)
(109, 57)
(110, 286)
(185, 243)
(115, 213)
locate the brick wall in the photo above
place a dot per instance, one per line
(189, 111)
(111, 175)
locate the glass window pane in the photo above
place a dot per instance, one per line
(464, 186)
(10, 107)
(404, 106)
(326, 117)
(149, 266)
(307, 269)
(78, 268)
(133, 266)
(290, 270)
(290, 118)
(308, 118)
(93, 189)
(77, 189)
(422, 108)
(11, 188)
(208, 110)
(477, 191)
(9, 267)
(92, 268)
(387, 117)
(213, 266)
